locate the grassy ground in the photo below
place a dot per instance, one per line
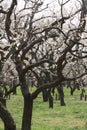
(73, 116)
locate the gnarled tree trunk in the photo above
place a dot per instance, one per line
(61, 95)
(28, 104)
(27, 113)
(45, 95)
(50, 99)
(7, 118)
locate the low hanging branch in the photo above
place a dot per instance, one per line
(11, 90)
(45, 86)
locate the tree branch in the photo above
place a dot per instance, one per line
(37, 64)
(8, 20)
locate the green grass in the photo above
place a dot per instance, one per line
(73, 116)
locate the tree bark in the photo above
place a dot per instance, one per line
(45, 95)
(27, 113)
(50, 99)
(72, 89)
(61, 95)
(28, 101)
(7, 118)
(3, 101)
